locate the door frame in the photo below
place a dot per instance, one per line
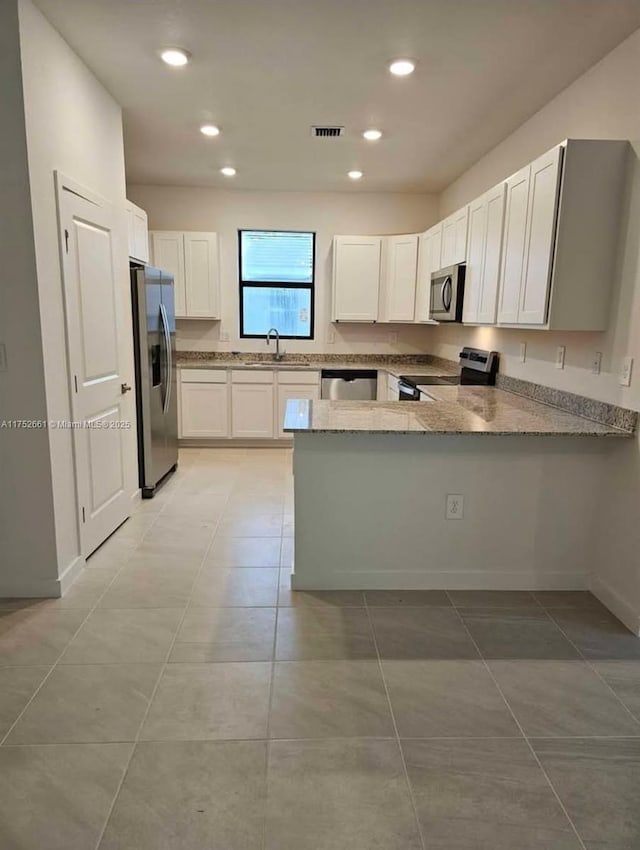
(63, 183)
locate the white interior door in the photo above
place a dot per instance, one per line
(100, 403)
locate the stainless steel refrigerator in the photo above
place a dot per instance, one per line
(154, 329)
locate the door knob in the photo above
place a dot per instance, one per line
(125, 388)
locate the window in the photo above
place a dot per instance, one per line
(276, 283)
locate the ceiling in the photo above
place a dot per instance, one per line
(265, 70)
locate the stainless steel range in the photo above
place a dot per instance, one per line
(477, 368)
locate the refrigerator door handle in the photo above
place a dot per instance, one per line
(168, 356)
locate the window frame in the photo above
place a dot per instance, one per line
(271, 284)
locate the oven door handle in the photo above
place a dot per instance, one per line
(447, 284)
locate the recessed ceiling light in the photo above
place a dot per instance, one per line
(402, 67)
(228, 171)
(355, 175)
(210, 130)
(175, 56)
(372, 135)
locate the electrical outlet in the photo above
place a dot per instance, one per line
(393, 337)
(3, 357)
(624, 378)
(331, 338)
(224, 336)
(523, 352)
(560, 352)
(596, 363)
(455, 506)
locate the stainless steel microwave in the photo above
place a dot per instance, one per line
(447, 294)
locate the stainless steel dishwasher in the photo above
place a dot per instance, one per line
(353, 384)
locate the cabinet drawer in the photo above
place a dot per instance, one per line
(251, 376)
(203, 376)
(301, 378)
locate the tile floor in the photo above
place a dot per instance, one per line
(182, 697)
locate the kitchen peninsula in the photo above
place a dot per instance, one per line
(479, 488)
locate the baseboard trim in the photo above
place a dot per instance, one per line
(71, 573)
(617, 605)
(234, 444)
(33, 588)
(406, 580)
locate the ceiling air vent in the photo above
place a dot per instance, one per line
(327, 132)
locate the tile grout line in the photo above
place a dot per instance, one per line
(589, 664)
(152, 696)
(270, 701)
(395, 725)
(56, 663)
(160, 675)
(524, 736)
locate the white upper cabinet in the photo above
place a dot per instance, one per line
(514, 245)
(356, 278)
(429, 250)
(562, 225)
(168, 255)
(541, 228)
(192, 259)
(138, 233)
(529, 234)
(454, 238)
(201, 273)
(400, 263)
(486, 219)
(475, 259)
(429, 261)
(488, 298)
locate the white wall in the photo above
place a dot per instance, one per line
(73, 125)
(177, 208)
(27, 533)
(603, 103)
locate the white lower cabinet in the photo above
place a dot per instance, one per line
(252, 411)
(309, 391)
(204, 408)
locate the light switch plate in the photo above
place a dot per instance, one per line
(331, 338)
(560, 352)
(523, 352)
(224, 336)
(393, 337)
(625, 372)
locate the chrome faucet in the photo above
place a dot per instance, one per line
(278, 355)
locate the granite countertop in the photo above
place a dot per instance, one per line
(403, 367)
(454, 410)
